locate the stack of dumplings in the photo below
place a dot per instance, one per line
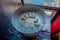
(31, 16)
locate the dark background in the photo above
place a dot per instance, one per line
(3, 25)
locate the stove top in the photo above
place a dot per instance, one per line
(14, 35)
(41, 36)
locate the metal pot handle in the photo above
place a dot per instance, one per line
(53, 14)
(11, 31)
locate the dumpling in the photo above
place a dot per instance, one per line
(33, 16)
(36, 21)
(25, 16)
(28, 15)
(36, 24)
(23, 19)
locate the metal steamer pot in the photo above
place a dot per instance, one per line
(24, 10)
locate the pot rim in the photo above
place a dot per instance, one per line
(23, 7)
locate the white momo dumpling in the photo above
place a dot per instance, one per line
(32, 16)
(36, 24)
(23, 19)
(36, 21)
(25, 16)
(28, 15)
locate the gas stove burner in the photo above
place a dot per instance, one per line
(27, 38)
(41, 36)
(24, 38)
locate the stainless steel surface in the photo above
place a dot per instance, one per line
(31, 8)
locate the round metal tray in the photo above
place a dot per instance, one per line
(24, 10)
